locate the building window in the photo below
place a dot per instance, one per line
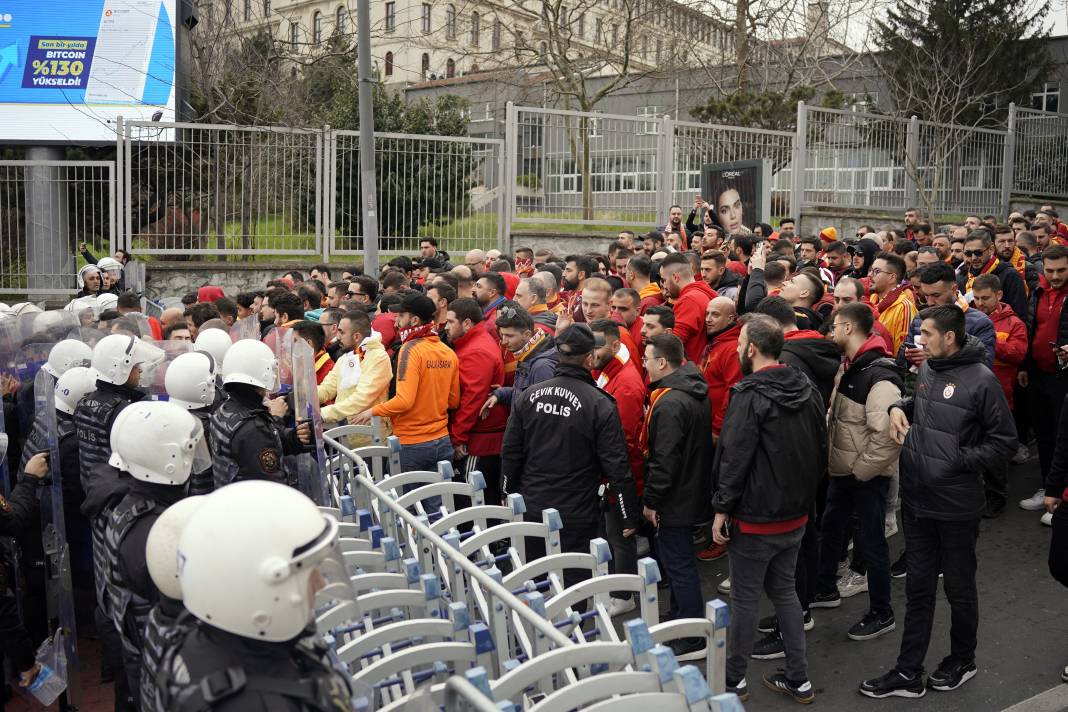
(450, 22)
(582, 26)
(653, 113)
(391, 16)
(561, 20)
(644, 52)
(342, 21)
(482, 113)
(862, 101)
(450, 69)
(294, 36)
(597, 32)
(615, 34)
(593, 128)
(425, 65)
(496, 39)
(389, 64)
(426, 18)
(659, 49)
(543, 50)
(1049, 99)
(476, 28)
(317, 27)
(247, 14)
(266, 7)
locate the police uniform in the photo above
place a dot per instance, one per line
(16, 515)
(167, 625)
(248, 441)
(203, 482)
(215, 670)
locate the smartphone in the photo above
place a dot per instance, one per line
(727, 529)
(910, 345)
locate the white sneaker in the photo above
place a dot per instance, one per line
(852, 584)
(843, 568)
(1023, 454)
(724, 586)
(1047, 519)
(619, 606)
(890, 526)
(1034, 502)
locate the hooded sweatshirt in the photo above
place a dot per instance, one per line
(689, 310)
(815, 356)
(721, 371)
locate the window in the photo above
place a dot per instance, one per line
(389, 64)
(476, 28)
(597, 31)
(483, 112)
(247, 13)
(229, 11)
(1048, 99)
(862, 101)
(644, 52)
(651, 127)
(659, 49)
(426, 18)
(615, 34)
(294, 36)
(593, 128)
(425, 65)
(450, 69)
(391, 16)
(317, 27)
(450, 23)
(582, 26)
(561, 20)
(342, 21)
(495, 40)
(266, 7)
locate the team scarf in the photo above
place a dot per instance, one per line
(655, 396)
(538, 309)
(531, 345)
(891, 297)
(650, 290)
(1019, 263)
(418, 332)
(619, 361)
(989, 267)
(557, 305)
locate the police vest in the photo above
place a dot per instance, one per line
(93, 418)
(225, 422)
(163, 632)
(203, 482)
(128, 611)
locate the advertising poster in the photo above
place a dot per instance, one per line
(738, 193)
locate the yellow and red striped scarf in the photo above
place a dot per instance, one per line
(990, 266)
(656, 395)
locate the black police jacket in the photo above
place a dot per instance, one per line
(960, 427)
(563, 437)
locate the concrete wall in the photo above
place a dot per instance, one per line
(174, 279)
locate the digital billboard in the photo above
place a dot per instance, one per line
(69, 68)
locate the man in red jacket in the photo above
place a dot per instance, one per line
(1010, 348)
(476, 441)
(615, 368)
(691, 297)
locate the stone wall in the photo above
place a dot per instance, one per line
(174, 279)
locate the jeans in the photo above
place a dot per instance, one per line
(624, 549)
(934, 545)
(764, 561)
(425, 456)
(1058, 545)
(674, 548)
(845, 496)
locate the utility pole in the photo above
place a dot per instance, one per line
(368, 199)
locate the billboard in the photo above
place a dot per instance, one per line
(738, 193)
(69, 68)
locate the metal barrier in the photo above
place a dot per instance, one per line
(47, 209)
(1040, 152)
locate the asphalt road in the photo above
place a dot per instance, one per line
(1023, 630)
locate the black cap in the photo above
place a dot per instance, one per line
(417, 305)
(578, 340)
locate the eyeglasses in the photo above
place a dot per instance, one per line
(357, 294)
(875, 271)
(836, 324)
(646, 359)
(974, 253)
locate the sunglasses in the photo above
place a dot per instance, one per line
(974, 253)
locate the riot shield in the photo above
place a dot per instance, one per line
(132, 324)
(60, 603)
(247, 328)
(311, 467)
(153, 379)
(10, 554)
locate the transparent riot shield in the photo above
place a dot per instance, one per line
(247, 328)
(60, 604)
(154, 375)
(133, 324)
(311, 467)
(10, 554)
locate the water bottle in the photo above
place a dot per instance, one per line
(47, 686)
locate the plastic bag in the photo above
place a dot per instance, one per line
(51, 680)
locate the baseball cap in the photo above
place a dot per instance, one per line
(417, 305)
(578, 340)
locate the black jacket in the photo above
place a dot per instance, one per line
(1057, 479)
(816, 357)
(564, 436)
(1012, 285)
(678, 481)
(961, 425)
(1031, 321)
(772, 450)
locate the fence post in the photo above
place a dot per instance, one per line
(117, 181)
(912, 158)
(509, 159)
(797, 175)
(1008, 161)
(666, 180)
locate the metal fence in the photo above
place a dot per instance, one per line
(1040, 153)
(47, 210)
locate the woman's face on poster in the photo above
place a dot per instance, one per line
(729, 210)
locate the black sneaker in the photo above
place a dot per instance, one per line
(802, 691)
(771, 623)
(872, 625)
(951, 675)
(769, 647)
(826, 600)
(899, 569)
(893, 684)
(688, 648)
(741, 689)
(995, 507)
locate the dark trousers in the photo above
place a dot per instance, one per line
(574, 537)
(624, 549)
(1047, 391)
(1058, 546)
(935, 545)
(674, 548)
(996, 481)
(846, 496)
(490, 467)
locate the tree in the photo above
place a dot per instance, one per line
(769, 110)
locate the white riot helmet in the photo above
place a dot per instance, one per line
(67, 354)
(252, 362)
(242, 572)
(23, 308)
(83, 304)
(190, 380)
(161, 547)
(107, 300)
(5, 310)
(110, 265)
(84, 271)
(75, 383)
(215, 342)
(115, 355)
(158, 442)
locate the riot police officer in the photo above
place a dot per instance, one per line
(253, 600)
(215, 342)
(155, 445)
(249, 441)
(190, 383)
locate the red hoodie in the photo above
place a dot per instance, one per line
(722, 370)
(690, 309)
(480, 366)
(1010, 349)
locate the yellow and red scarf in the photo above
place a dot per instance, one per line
(619, 361)
(532, 343)
(656, 395)
(989, 267)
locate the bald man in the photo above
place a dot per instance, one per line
(170, 316)
(465, 288)
(721, 366)
(474, 260)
